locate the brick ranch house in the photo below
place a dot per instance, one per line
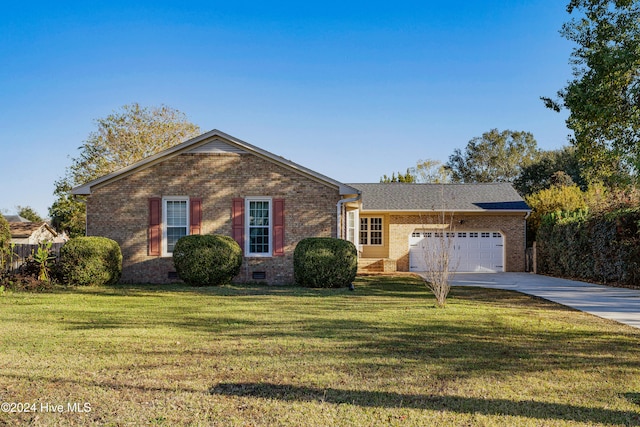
(216, 183)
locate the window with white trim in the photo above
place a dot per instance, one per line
(176, 221)
(351, 226)
(258, 242)
(371, 231)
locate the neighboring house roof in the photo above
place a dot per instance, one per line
(15, 218)
(212, 141)
(438, 197)
(20, 230)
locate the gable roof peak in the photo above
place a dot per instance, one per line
(193, 143)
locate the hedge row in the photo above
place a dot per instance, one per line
(602, 248)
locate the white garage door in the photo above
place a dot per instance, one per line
(469, 251)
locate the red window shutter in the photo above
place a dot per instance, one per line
(155, 233)
(278, 227)
(237, 221)
(195, 212)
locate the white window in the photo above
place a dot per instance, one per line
(176, 221)
(351, 227)
(258, 227)
(371, 231)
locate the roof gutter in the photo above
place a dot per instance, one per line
(457, 211)
(339, 205)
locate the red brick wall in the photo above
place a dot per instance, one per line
(119, 210)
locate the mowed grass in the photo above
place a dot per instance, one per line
(257, 355)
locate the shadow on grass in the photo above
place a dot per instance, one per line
(407, 288)
(492, 342)
(236, 289)
(466, 405)
(401, 285)
(633, 398)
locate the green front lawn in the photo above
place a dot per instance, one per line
(258, 355)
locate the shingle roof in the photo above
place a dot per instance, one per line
(26, 229)
(15, 218)
(437, 197)
(201, 140)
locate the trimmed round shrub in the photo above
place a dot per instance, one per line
(90, 261)
(324, 262)
(207, 260)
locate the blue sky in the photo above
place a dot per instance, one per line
(353, 90)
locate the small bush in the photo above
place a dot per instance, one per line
(5, 244)
(41, 263)
(24, 283)
(207, 260)
(91, 261)
(323, 262)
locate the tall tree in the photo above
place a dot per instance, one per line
(27, 212)
(67, 213)
(406, 177)
(604, 96)
(121, 139)
(540, 174)
(425, 171)
(494, 157)
(431, 171)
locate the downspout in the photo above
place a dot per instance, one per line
(339, 205)
(533, 267)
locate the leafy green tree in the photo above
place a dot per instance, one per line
(27, 212)
(539, 174)
(431, 171)
(406, 177)
(555, 199)
(561, 179)
(603, 199)
(121, 139)
(67, 213)
(494, 157)
(425, 171)
(604, 96)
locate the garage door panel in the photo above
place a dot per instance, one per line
(469, 251)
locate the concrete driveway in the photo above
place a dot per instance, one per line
(621, 305)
